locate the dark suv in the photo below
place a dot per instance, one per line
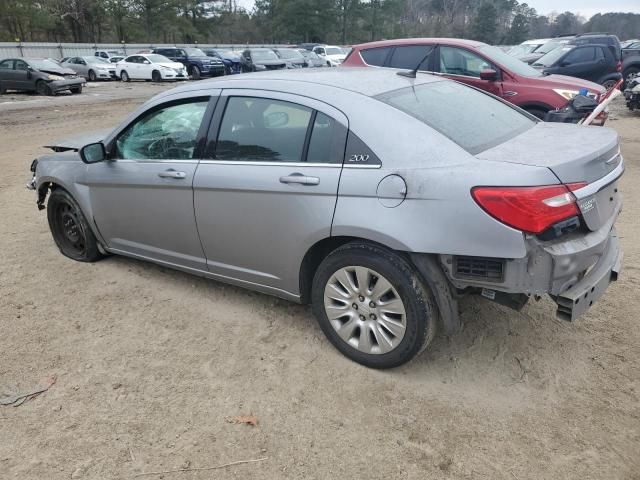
(197, 62)
(593, 62)
(610, 41)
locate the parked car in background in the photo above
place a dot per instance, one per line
(112, 56)
(332, 55)
(630, 68)
(150, 67)
(595, 63)
(91, 68)
(40, 75)
(197, 62)
(527, 47)
(378, 199)
(631, 48)
(313, 60)
(292, 56)
(230, 59)
(478, 64)
(257, 59)
(308, 46)
(542, 50)
(610, 41)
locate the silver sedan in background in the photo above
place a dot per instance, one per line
(92, 68)
(378, 198)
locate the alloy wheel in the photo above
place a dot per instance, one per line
(365, 310)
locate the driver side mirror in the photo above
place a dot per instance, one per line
(490, 75)
(93, 153)
(147, 62)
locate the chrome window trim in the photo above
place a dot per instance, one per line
(142, 160)
(271, 164)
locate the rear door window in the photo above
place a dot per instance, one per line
(580, 55)
(486, 122)
(262, 129)
(375, 56)
(408, 57)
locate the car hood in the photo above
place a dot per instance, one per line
(572, 152)
(531, 57)
(571, 83)
(58, 71)
(76, 142)
(177, 65)
(206, 59)
(269, 62)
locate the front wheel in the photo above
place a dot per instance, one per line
(92, 76)
(373, 306)
(70, 229)
(609, 84)
(195, 73)
(42, 88)
(155, 76)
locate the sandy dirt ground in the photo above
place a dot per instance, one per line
(152, 364)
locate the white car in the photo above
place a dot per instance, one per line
(331, 54)
(110, 55)
(150, 66)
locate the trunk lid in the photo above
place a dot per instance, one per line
(574, 154)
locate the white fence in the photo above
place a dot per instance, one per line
(60, 50)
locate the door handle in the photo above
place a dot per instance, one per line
(300, 179)
(171, 173)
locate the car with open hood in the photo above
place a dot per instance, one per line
(40, 75)
(378, 198)
(230, 59)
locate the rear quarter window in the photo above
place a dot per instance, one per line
(474, 120)
(375, 56)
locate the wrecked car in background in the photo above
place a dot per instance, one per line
(40, 75)
(297, 191)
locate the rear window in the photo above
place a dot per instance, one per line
(375, 56)
(474, 120)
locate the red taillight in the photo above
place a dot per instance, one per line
(530, 209)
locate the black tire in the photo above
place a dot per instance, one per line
(124, 76)
(195, 73)
(421, 310)
(42, 88)
(70, 229)
(92, 76)
(76, 90)
(2, 89)
(156, 77)
(609, 84)
(537, 112)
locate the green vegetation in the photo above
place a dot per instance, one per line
(291, 21)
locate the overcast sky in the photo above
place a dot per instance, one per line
(586, 8)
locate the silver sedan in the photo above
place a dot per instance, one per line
(378, 198)
(92, 68)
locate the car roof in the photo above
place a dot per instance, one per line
(365, 81)
(458, 42)
(536, 41)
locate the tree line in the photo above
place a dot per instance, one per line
(292, 21)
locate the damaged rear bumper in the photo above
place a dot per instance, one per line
(579, 297)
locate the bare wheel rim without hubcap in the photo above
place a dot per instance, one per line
(365, 310)
(70, 229)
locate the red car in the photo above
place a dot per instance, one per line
(477, 64)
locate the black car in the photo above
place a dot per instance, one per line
(293, 57)
(197, 62)
(40, 75)
(258, 59)
(610, 41)
(595, 63)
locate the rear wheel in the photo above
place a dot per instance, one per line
(124, 76)
(373, 306)
(42, 88)
(92, 76)
(70, 229)
(609, 84)
(2, 89)
(195, 73)
(155, 76)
